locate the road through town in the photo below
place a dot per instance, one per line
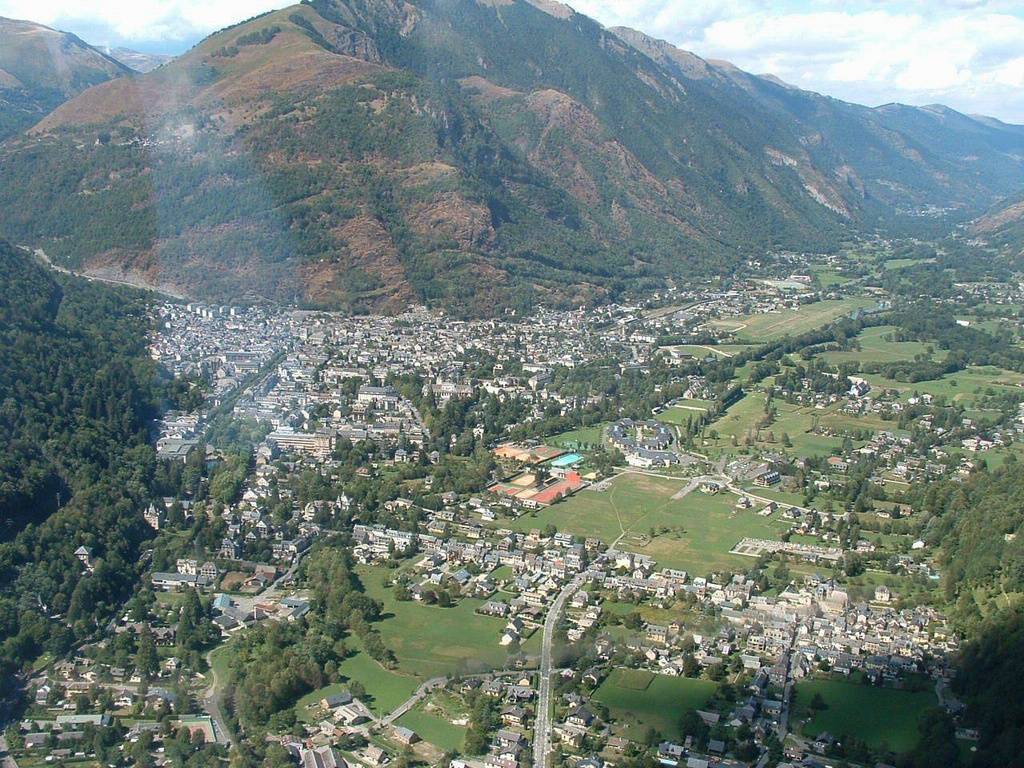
(542, 733)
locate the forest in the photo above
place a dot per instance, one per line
(77, 391)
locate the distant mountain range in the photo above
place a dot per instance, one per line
(41, 68)
(363, 154)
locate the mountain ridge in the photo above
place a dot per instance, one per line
(41, 67)
(476, 154)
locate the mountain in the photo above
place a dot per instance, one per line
(40, 68)
(138, 61)
(1003, 226)
(364, 154)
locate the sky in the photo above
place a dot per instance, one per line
(968, 54)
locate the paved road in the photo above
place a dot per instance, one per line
(137, 284)
(542, 733)
(421, 692)
(211, 704)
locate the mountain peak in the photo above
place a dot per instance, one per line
(475, 154)
(40, 67)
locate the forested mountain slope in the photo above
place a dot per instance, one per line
(1003, 226)
(363, 154)
(76, 391)
(40, 68)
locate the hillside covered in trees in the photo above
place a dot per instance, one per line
(76, 392)
(472, 154)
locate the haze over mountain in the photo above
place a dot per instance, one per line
(40, 68)
(363, 154)
(137, 60)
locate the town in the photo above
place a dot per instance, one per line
(683, 530)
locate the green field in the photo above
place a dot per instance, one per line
(387, 689)
(960, 387)
(429, 640)
(685, 410)
(875, 348)
(792, 322)
(741, 421)
(801, 423)
(577, 439)
(904, 263)
(829, 278)
(694, 533)
(438, 731)
(639, 700)
(700, 351)
(878, 716)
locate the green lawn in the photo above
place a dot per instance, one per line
(684, 411)
(960, 387)
(741, 421)
(640, 700)
(877, 348)
(429, 640)
(694, 533)
(438, 731)
(579, 439)
(386, 689)
(879, 716)
(792, 322)
(829, 278)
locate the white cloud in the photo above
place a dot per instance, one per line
(124, 21)
(966, 53)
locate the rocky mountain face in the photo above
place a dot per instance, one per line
(479, 154)
(41, 68)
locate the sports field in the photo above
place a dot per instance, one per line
(580, 439)
(879, 716)
(429, 640)
(694, 533)
(792, 322)
(639, 700)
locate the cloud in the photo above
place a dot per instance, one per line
(965, 53)
(173, 23)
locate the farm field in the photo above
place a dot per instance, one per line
(875, 348)
(639, 700)
(776, 325)
(695, 533)
(442, 734)
(429, 640)
(878, 716)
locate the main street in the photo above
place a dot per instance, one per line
(542, 734)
